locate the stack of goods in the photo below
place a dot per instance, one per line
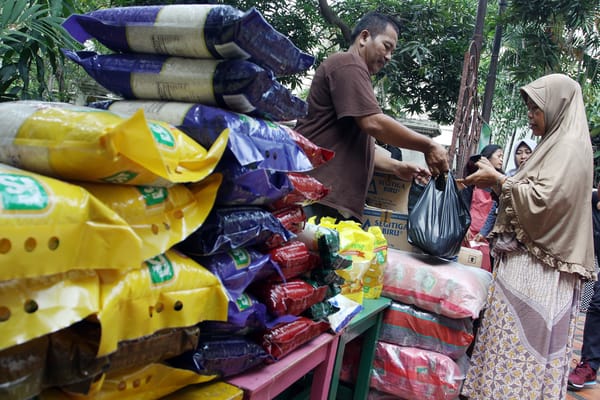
(426, 331)
(208, 73)
(429, 327)
(93, 296)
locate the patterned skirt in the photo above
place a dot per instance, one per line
(524, 344)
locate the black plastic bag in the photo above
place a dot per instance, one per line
(438, 221)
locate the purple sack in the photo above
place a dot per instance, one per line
(238, 268)
(191, 30)
(237, 85)
(228, 228)
(223, 357)
(247, 186)
(244, 315)
(255, 142)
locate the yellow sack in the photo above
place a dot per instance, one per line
(167, 291)
(208, 391)
(48, 227)
(33, 307)
(160, 216)
(87, 144)
(170, 290)
(148, 383)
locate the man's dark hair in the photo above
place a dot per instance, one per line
(374, 22)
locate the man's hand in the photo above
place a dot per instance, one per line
(437, 159)
(408, 171)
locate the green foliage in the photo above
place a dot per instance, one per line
(30, 42)
(542, 37)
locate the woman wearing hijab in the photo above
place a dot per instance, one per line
(481, 202)
(522, 152)
(543, 245)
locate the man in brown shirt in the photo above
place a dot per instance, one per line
(344, 116)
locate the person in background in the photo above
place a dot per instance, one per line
(523, 150)
(481, 202)
(344, 116)
(542, 242)
(585, 374)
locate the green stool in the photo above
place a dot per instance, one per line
(367, 323)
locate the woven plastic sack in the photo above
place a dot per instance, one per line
(439, 219)
(192, 30)
(236, 85)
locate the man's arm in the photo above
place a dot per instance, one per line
(387, 130)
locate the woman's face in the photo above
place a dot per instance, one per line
(522, 154)
(535, 115)
(497, 158)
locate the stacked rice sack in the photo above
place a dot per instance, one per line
(208, 69)
(425, 333)
(93, 294)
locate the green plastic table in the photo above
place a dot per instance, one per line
(367, 323)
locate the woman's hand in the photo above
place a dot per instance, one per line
(485, 176)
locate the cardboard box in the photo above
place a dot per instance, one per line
(388, 192)
(393, 225)
(470, 257)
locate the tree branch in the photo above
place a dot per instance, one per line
(332, 18)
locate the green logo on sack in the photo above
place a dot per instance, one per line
(162, 135)
(161, 269)
(153, 195)
(243, 302)
(121, 177)
(18, 192)
(240, 257)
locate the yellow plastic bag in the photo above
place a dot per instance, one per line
(160, 216)
(170, 290)
(167, 291)
(48, 227)
(151, 382)
(208, 391)
(33, 307)
(357, 245)
(87, 144)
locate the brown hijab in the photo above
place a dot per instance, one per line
(546, 204)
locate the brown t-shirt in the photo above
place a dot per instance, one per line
(341, 90)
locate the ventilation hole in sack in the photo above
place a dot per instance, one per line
(167, 226)
(178, 306)
(30, 244)
(53, 243)
(122, 385)
(31, 306)
(4, 314)
(159, 307)
(136, 383)
(155, 229)
(178, 214)
(5, 246)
